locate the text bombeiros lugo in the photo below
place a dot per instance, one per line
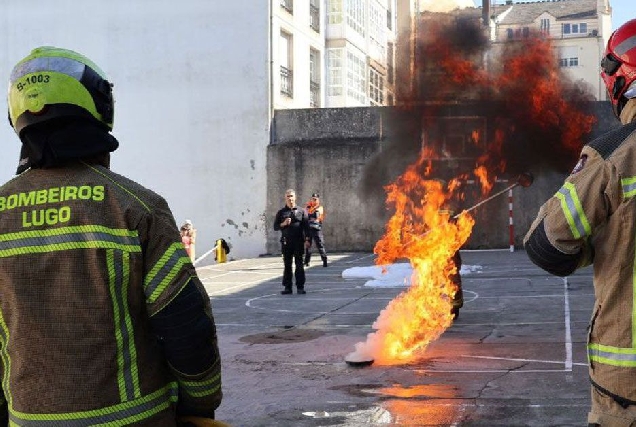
(50, 215)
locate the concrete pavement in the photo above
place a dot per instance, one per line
(514, 357)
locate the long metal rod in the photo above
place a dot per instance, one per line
(499, 193)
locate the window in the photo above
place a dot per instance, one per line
(314, 78)
(580, 28)
(376, 87)
(355, 15)
(510, 33)
(568, 56)
(377, 31)
(356, 78)
(334, 12)
(288, 5)
(285, 50)
(389, 15)
(545, 25)
(389, 63)
(314, 15)
(334, 60)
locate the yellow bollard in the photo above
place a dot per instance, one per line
(220, 254)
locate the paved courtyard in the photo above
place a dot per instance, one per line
(514, 357)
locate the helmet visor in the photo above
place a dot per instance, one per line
(610, 64)
(67, 66)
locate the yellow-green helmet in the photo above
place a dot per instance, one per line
(51, 83)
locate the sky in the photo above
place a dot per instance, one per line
(622, 11)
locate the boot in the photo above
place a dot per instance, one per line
(324, 261)
(287, 290)
(301, 290)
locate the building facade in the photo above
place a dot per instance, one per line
(579, 30)
(332, 53)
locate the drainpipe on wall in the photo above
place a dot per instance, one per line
(485, 13)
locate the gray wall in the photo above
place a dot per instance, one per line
(348, 155)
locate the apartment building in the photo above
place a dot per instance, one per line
(332, 53)
(579, 30)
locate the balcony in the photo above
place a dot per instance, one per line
(314, 94)
(286, 82)
(314, 18)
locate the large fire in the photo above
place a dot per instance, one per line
(535, 111)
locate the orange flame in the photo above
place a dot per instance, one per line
(423, 231)
(533, 122)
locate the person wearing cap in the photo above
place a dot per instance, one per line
(103, 319)
(316, 215)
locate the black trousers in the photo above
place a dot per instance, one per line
(293, 254)
(458, 299)
(317, 238)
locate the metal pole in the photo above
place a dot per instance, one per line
(499, 193)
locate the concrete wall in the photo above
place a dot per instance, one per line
(191, 84)
(348, 155)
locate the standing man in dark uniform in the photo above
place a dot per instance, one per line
(316, 214)
(293, 224)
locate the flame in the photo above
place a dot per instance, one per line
(424, 232)
(536, 119)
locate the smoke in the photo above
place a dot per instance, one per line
(536, 118)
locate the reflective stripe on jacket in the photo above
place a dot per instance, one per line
(592, 218)
(86, 258)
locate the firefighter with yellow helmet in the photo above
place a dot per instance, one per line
(592, 220)
(103, 320)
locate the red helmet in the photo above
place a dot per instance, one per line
(618, 66)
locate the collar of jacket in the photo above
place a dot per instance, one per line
(628, 114)
(57, 143)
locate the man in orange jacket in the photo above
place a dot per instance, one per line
(316, 214)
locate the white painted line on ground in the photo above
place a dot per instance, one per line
(556, 362)
(568, 332)
(489, 371)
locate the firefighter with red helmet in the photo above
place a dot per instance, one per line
(103, 320)
(592, 220)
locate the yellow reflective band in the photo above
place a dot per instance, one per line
(573, 211)
(164, 271)
(68, 238)
(202, 388)
(4, 356)
(127, 369)
(613, 356)
(629, 187)
(127, 413)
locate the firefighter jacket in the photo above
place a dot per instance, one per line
(91, 270)
(316, 215)
(297, 231)
(592, 219)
